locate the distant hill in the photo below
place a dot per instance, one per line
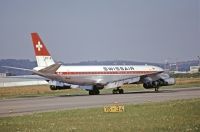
(182, 66)
(17, 63)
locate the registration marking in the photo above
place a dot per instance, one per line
(114, 108)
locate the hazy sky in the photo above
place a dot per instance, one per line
(81, 30)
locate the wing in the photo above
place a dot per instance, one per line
(50, 73)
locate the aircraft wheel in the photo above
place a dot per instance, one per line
(114, 91)
(97, 92)
(118, 91)
(52, 87)
(91, 92)
(94, 92)
(121, 91)
(156, 89)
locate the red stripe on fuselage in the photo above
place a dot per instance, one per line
(108, 73)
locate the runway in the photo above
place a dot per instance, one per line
(28, 105)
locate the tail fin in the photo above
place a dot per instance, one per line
(42, 55)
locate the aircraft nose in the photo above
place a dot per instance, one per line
(160, 69)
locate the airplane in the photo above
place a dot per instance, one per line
(94, 78)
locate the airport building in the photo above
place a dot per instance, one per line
(5, 74)
(194, 69)
(10, 81)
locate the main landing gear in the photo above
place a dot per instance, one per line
(94, 92)
(156, 89)
(156, 85)
(118, 91)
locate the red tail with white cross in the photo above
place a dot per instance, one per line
(42, 55)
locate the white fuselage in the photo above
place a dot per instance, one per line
(106, 73)
(96, 77)
(108, 70)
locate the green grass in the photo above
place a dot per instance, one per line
(181, 115)
(43, 90)
(182, 86)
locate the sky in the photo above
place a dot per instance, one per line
(86, 30)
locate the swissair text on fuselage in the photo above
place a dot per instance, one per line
(124, 68)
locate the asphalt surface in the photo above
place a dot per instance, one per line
(29, 105)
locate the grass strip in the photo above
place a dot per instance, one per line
(180, 115)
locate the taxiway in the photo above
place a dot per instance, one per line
(29, 105)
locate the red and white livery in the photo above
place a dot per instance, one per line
(95, 78)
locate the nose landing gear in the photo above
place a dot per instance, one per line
(118, 90)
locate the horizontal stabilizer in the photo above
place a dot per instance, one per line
(17, 68)
(51, 69)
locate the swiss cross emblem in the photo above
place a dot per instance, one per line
(39, 46)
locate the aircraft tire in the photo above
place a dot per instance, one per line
(114, 91)
(97, 92)
(91, 92)
(156, 89)
(52, 87)
(94, 92)
(121, 91)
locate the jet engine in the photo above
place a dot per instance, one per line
(169, 81)
(55, 85)
(149, 85)
(158, 83)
